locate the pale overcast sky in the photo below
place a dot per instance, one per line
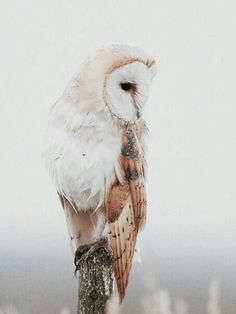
(191, 112)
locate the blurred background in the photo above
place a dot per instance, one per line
(189, 243)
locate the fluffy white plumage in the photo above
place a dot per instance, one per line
(81, 159)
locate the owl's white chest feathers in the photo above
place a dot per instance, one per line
(81, 152)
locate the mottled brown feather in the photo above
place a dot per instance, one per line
(126, 206)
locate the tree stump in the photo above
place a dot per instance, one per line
(95, 282)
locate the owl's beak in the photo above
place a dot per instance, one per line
(137, 108)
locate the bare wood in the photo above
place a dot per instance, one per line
(95, 282)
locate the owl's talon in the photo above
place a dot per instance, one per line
(80, 255)
(83, 253)
(100, 244)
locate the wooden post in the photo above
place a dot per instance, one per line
(95, 282)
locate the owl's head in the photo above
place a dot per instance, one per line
(116, 79)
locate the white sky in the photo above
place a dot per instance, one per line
(191, 112)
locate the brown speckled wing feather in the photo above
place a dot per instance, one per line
(126, 207)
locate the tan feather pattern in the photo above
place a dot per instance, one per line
(126, 207)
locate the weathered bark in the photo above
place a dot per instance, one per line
(95, 282)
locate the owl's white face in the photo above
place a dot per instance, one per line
(113, 81)
(126, 89)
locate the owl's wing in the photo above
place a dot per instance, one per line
(126, 207)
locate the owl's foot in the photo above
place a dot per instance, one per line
(100, 244)
(79, 253)
(84, 252)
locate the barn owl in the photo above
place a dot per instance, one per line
(94, 151)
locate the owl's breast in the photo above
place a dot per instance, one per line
(82, 164)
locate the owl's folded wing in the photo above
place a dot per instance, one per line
(126, 208)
